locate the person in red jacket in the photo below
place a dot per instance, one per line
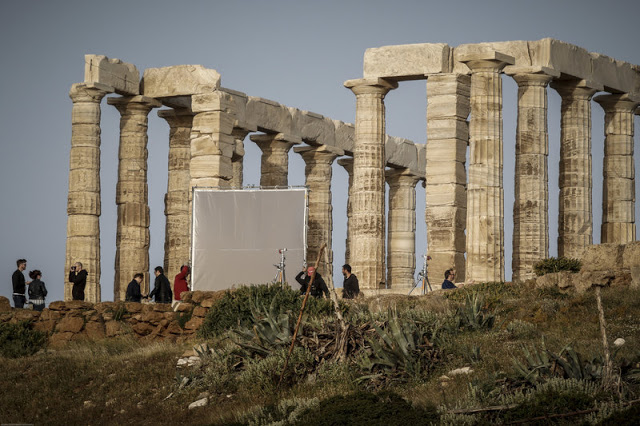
(180, 283)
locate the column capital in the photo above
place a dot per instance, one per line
(282, 139)
(316, 153)
(238, 134)
(400, 177)
(177, 117)
(488, 61)
(617, 102)
(579, 89)
(89, 92)
(346, 162)
(140, 103)
(376, 86)
(532, 76)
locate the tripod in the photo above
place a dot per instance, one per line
(280, 275)
(423, 278)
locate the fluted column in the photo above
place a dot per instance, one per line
(318, 172)
(618, 194)
(531, 201)
(347, 163)
(274, 163)
(401, 246)
(83, 204)
(238, 157)
(176, 202)
(367, 223)
(485, 194)
(575, 218)
(446, 176)
(132, 234)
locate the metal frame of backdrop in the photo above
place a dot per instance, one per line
(250, 189)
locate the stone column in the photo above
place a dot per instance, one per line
(446, 177)
(575, 218)
(367, 223)
(401, 246)
(83, 204)
(347, 163)
(485, 194)
(531, 204)
(274, 164)
(238, 156)
(176, 202)
(618, 195)
(132, 235)
(318, 172)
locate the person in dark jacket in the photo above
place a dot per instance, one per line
(161, 287)
(180, 284)
(350, 286)
(449, 276)
(78, 276)
(37, 290)
(319, 286)
(133, 289)
(19, 286)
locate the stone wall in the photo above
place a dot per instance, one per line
(77, 320)
(602, 264)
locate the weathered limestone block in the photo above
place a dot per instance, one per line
(401, 246)
(123, 77)
(401, 153)
(446, 179)
(115, 328)
(345, 136)
(179, 80)
(618, 194)
(631, 255)
(367, 223)
(531, 205)
(95, 330)
(517, 50)
(70, 324)
(485, 196)
(45, 326)
(407, 61)
(270, 116)
(132, 234)
(194, 323)
(575, 218)
(314, 128)
(274, 164)
(318, 173)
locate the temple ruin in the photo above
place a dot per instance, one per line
(464, 193)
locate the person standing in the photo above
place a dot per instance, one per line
(161, 287)
(78, 276)
(37, 290)
(317, 288)
(350, 285)
(180, 284)
(449, 276)
(19, 286)
(133, 289)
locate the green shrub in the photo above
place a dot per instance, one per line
(362, 408)
(492, 292)
(286, 412)
(120, 312)
(184, 317)
(475, 315)
(262, 375)
(235, 307)
(553, 264)
(19, 339)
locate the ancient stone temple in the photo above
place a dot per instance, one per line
(460, 165)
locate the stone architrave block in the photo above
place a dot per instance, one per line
(179, 80)
(123, 77)
(270, 116)
(613, 74)
(402, 153)
(239, 106)
(406, 62)
(345, 136)
(562, 57)
(314, 127)
(518, 51)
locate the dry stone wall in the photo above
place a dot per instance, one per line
(76, 320)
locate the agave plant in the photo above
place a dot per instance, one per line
(270, 330)
(401, 348)
(474, 315)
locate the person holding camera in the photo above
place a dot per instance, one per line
(37, 290)
(78, 277)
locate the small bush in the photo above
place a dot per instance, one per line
(262, 375)
(235, 307)
(519, 329)
(17, 340)
(362, 408)
(183, 318)
(553, 264)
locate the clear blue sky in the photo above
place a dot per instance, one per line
(295, 52)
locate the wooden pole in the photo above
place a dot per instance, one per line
(304, 304)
